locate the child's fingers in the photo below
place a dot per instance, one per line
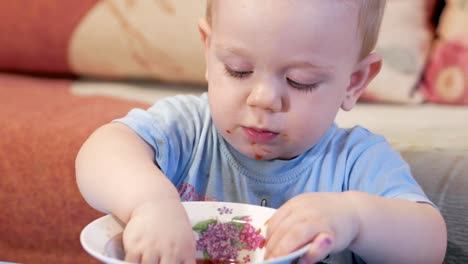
(169, 260)
(150, 258)
(320, 247)
(278, 217)
(276, 234)
(177, 259)
(133, 257)
(290, 236)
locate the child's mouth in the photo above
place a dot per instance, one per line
(259, 135)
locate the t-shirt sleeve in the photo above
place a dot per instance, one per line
(171, 127)
(377, 169)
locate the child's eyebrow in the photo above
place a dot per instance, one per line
(232, 50)
(307, 64)
(299, 63)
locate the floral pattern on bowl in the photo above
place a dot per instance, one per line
(235, 240)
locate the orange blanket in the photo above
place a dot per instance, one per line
(42, 126)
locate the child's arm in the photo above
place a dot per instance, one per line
(116, 173)
(398, 231)
(379, 230)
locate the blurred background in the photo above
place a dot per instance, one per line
(70, 66)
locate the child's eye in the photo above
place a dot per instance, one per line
(236, 74)
(302, 86)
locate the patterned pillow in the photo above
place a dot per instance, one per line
(112, 38)
(159, 40)
(404, 43)
(446, 78)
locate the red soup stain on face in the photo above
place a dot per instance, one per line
(228, 131)
(266, 150)
(258, 156)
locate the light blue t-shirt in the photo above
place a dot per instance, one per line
(203, 166)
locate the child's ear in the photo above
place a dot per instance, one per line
(205, 31)
(364, 72)
(205, 34)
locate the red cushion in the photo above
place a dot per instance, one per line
(42, 126)
(35, 34)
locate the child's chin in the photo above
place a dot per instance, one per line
(260, 156)
(256, 151)
(254, 155)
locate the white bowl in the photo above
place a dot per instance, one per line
(102, 238)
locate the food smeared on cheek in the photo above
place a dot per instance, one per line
(228, 131)
(258, 156)
(285, 137)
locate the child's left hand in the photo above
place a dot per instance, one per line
(328, 221)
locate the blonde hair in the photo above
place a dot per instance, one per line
(370, 19)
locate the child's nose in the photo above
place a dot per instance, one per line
(266, 95)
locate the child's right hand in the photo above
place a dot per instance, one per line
(159, 231)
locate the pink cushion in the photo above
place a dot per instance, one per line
(446, 79)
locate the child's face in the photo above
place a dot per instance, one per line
(278, 72)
